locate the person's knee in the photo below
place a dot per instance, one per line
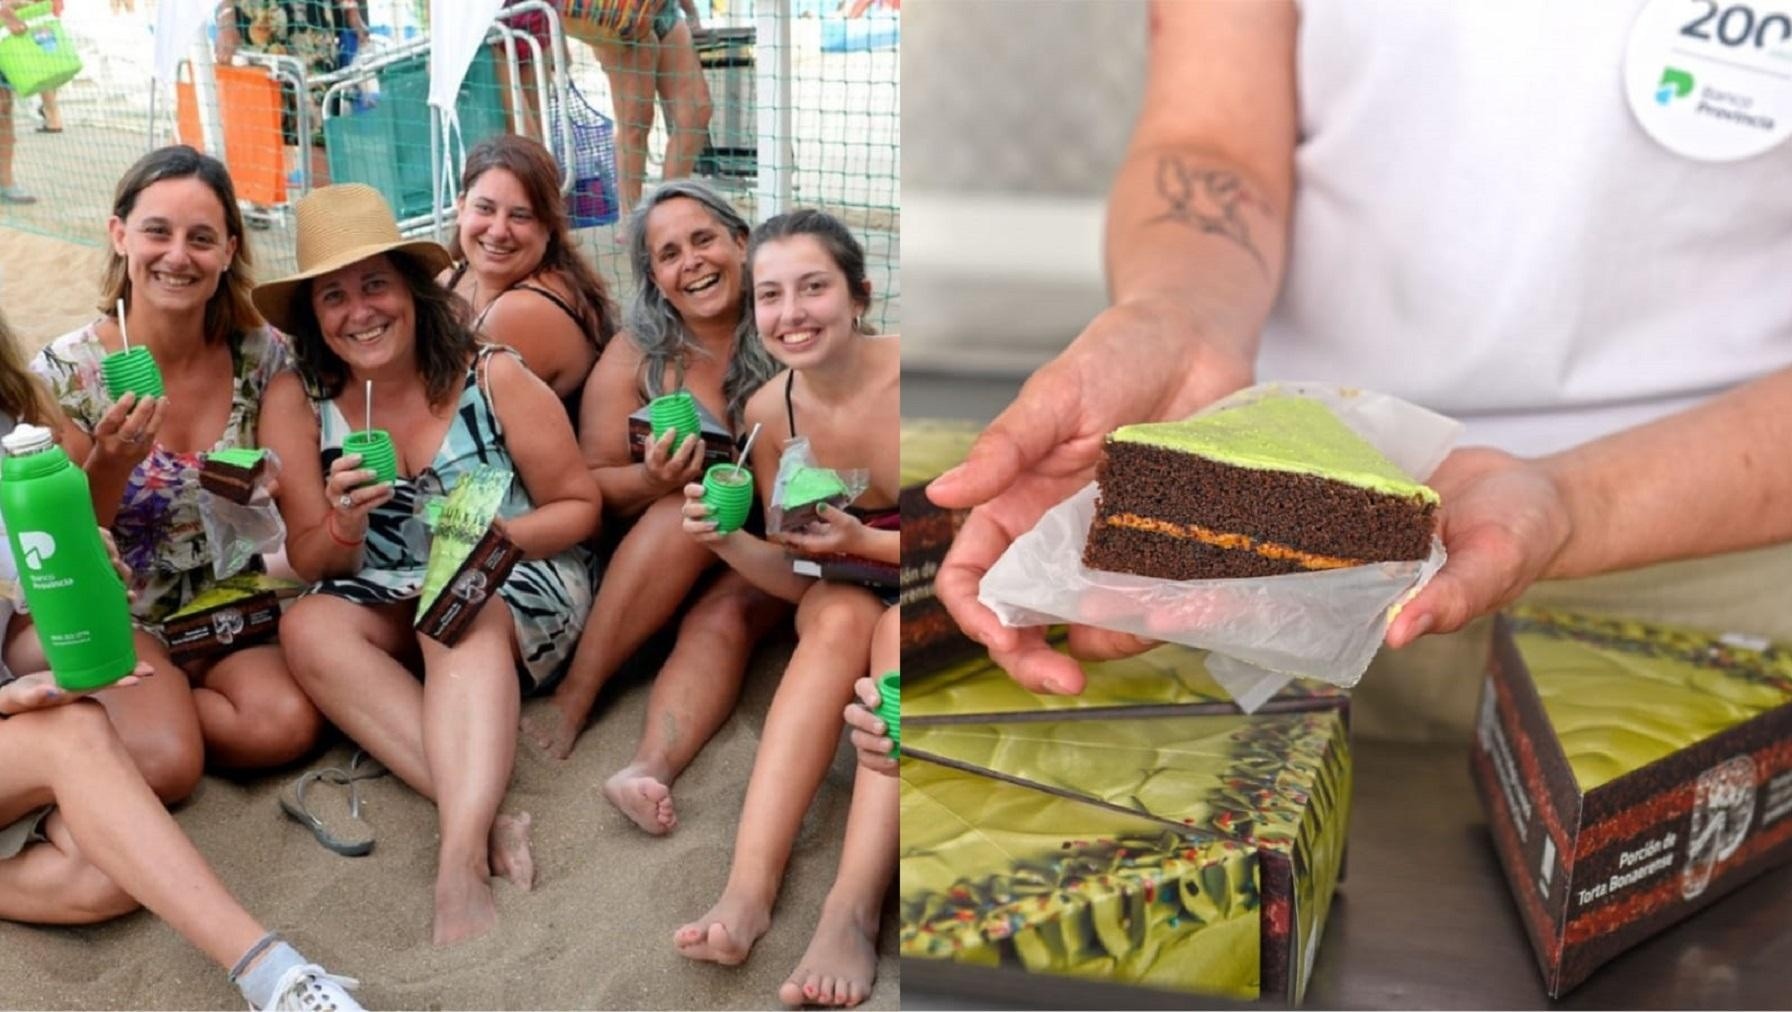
(282, 724)
(171, 763)
(842, 617)
(304, 630)
(724, 614)
(692, 115)
(79, 730)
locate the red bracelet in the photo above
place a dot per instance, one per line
(330, 528)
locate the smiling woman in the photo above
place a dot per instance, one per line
(519, 269)
(180, 269)
(367, 315)
(691, 329)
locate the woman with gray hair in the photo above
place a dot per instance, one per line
(689, 326)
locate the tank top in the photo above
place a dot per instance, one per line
(1481, 226)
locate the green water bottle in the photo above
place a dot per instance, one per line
(76, 598)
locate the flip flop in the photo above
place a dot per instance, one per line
(49, 130)
(353, 839)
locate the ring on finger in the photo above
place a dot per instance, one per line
(347, 501)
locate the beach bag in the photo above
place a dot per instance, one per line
(42, 57)
(592, 159)
(622, 20)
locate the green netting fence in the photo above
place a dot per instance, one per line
(779, 103)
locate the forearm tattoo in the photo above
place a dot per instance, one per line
(1211, 201)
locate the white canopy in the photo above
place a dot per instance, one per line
(177, 24)
(456, 30)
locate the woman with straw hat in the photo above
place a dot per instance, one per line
(176, 284)
(376, 340)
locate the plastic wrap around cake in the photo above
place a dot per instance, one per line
(1262, 631)
(468, 558)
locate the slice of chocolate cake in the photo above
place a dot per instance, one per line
(232, 473)
(809, 489)
(1276, 486)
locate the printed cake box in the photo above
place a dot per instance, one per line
(929, 448)
(1632, 775)
(233, 613)
(1143, 833)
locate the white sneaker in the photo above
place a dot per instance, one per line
(308, 988)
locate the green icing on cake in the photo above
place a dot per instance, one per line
(812, 484)
(1295, 434)
(238, 456)
(1622, 694)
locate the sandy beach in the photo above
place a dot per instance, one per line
(48, 286)
(596, 932)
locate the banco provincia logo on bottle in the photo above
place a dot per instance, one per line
(37, 546)
(1675, 83)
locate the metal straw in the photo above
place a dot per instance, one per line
(369, 405)
(121, 331)
(747, 448)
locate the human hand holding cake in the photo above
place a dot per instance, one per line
(1271, 529)
(1137, 361)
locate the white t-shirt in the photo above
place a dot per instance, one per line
(1481, 226)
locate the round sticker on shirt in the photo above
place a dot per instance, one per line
(1712, 80)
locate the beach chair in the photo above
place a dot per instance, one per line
(249, 105)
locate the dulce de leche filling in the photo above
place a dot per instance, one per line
(1231, 541)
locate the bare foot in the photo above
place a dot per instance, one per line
(726, 934)
(464, 909)
(643, 799)
(553, 729)
(510, 854)
(839, 966)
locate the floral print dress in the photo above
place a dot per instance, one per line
(158, 527)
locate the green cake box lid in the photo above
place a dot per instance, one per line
(812, 484)
(997, 873)
(931, 446)
(1277, 786)
(1281, 433)
(1622, 694)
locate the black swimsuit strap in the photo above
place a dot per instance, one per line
(789, 407)
(548, 294)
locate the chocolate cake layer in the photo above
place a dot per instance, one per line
(1125, 550)
(1282, 513)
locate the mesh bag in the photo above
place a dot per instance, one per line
(592, 158)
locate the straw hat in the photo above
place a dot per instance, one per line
(339, 225)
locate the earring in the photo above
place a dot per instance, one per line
(858, 323)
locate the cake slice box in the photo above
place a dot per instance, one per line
(1595, 870)
(240, 611)
(1276, 785)
(930, 638)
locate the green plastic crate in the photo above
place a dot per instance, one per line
(42, 57)
(386, 145)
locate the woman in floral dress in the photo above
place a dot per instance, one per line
(181, 268)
